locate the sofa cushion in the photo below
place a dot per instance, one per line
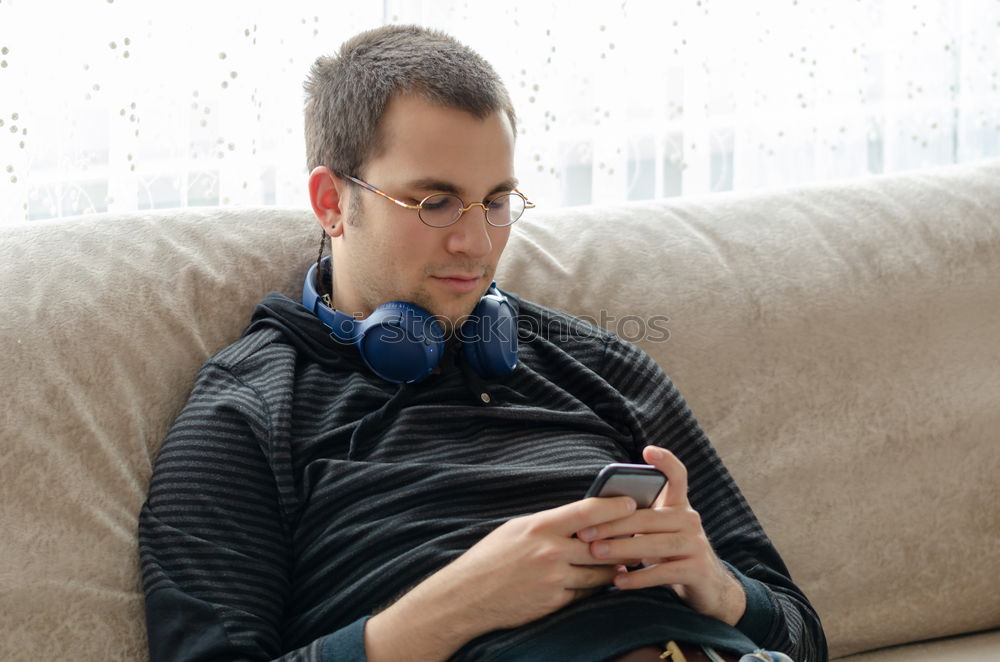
(980, 647)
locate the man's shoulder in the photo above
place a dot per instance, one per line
(279, 328)
(239, 354)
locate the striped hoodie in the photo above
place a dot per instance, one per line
(297, 494)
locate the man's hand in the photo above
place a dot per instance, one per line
(525, 569)
(673, 547)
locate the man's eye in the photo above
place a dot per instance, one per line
(439, 203)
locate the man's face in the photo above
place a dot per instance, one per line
(386, 253)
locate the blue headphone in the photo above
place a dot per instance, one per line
(401, 342)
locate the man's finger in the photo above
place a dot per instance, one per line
(591, 577)
(675, 493)
(672, 572)
(652, 546)
(567, 520)
(657, 519)
(578, 553)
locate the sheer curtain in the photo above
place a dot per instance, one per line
(116, 105)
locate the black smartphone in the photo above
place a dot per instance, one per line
(642, 482)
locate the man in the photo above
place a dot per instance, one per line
(310, 503)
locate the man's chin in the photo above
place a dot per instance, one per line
(453, 313)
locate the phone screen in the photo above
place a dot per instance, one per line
(642, 482)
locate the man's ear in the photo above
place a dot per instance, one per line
(325, 194)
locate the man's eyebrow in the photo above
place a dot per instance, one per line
(430, 184)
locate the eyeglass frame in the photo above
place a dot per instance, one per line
(528, 204)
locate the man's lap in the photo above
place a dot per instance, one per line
(691, 652)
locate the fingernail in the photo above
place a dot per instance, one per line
(657, 453)
(601, 549)
(621, 580)
(588, 534)
(630, 504)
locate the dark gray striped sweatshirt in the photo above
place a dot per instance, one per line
(297, 493)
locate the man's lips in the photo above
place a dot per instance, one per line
(462, 283)
(461, 276)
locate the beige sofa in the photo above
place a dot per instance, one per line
(840, 343)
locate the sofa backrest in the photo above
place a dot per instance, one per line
(839, 343)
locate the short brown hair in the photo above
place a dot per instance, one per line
(347, 94)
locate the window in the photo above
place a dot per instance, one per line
(116, 106)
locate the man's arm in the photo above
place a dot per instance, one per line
(213, 536)
(778, 616)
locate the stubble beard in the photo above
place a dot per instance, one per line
(372, 295)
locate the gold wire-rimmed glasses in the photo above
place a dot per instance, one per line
(439, 210)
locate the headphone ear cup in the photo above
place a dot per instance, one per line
(489, 337)
(400, 342)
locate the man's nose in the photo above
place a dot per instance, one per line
(470, 235)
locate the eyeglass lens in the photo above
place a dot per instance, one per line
(444, 209)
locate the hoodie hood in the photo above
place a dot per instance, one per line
(303, 330)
